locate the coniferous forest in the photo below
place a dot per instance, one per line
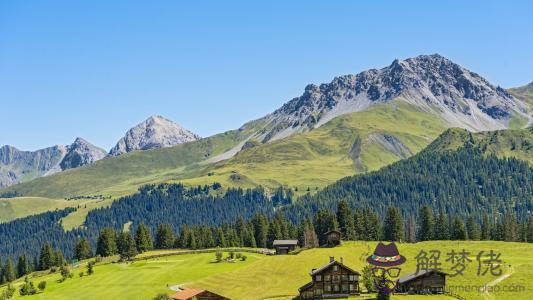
(434, 195)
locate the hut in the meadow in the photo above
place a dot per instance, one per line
(423, 282)
(333, 238)
(284, 246)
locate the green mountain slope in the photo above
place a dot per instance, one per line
(347, 145)
(516, 143)
(524, 93)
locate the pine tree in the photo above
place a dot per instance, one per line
(260, 225)
(47, 257)
(411, 229)
(458, 230)
(59, 258)
(23, 267)
(473, 229)
(82, 250)
(107, 245)
(393, 225)
(323, 222)
(372, 229)
(143, 238)
(164, 237)
(184, 236)
(359, 224)
(9, 271)
(274, 233)
(530, 230)
(126, 246)
(426, 224)
(442, 230)
(346, 221)
(486, 228)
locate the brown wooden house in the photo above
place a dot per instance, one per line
(284, 246)
(334, 280)
(425, 282)
(333, 238)
(196, 294)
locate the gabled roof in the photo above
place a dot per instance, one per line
(323, 268)
(285, 242)
(306, 286)
(186, 294)
(421, 273)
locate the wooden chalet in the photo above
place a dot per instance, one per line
(284, 246)
(196, 294)
(425, 282)
(333, 238)
(334, 280)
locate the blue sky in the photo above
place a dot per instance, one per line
(95, 68)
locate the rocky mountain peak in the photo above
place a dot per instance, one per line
(433, 83)
(81, 153)
(153, 133)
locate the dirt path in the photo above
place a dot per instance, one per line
(486, 293)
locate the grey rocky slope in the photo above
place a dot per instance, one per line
(155, 132)
(18, 166)
(81, 153)
(431, 82)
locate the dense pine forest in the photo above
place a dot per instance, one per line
(434, 195)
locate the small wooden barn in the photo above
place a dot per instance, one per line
(284, 246)
(196, 294)
(425, 282)
(334, 280)
(333, 238)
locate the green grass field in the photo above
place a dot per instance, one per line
(276, 277)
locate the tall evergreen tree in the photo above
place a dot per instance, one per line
(426, 225)
(442, 230)
(411, 229)
(260, 226)
(47, 257)
(107, 245)
(346, 221)
(23, 267)
(9, 271)
(164, 238)
(126, 246)
(59, 258)
(486, 228)
(323, 222)
(143, 238)
(458, 231)
(372, 228)
(82, 250)
(393, 225)
(473, 229)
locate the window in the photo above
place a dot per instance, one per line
(336, 278)
(344, 277)
(327, 278)
(336, 288)
(344, 288)
(352, 277)
(318, 292)
(352, 287)
(335, 268)
(327, 288)
(318, 278)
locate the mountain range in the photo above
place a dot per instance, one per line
(355, 123)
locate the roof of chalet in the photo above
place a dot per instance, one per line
(186, 294)
(306, 286)
(420, 273)
(331, 264)
(285, 242)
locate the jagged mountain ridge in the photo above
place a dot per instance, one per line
(17, 166)
(154, 133)
(431, 82)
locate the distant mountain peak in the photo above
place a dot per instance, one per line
(433, 83)
(81, 153)
(153, 133)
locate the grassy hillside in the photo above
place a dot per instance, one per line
(524, 93)
(280, 276)
(516, 143)
(13, 208)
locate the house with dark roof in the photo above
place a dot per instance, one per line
(333, 238)
(334, 280)
(284, 246)
(196, 294)
(423, 282)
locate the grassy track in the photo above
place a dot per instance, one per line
(276, 277)
(13, 208)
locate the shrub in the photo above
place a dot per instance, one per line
(244, 257)
(81, 274)
(27, 288)
(90, 270)
(218, 255)
(162, 297)
(42, 285)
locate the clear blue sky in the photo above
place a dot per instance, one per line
(95, 68)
